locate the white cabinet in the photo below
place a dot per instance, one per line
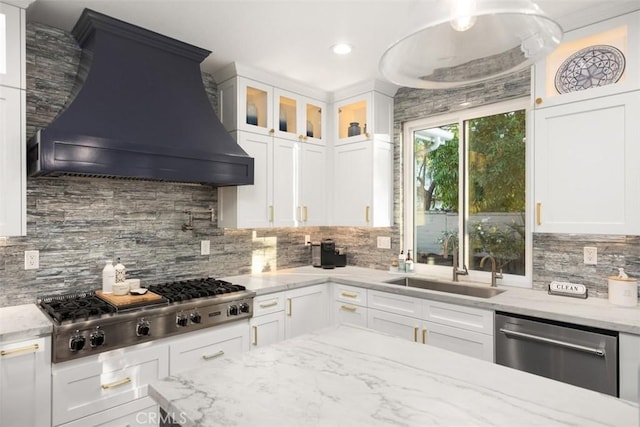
(464, 330)
(25, 383)
(364, 117)
(198, 348)
(363, 184)
(12, 125)
(629, 356)
(306, 310)
(267, 323)
(95, 384)
(312, 172)
(141, 412)
(586, 175)
(350, 305)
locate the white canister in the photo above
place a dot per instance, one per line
(108, 277)
(623, 291)
(120, 288)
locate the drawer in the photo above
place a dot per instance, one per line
(140, 412)
(350, 294)
(468, 318)
(350, 313)
(267, 304)
(200, 348)
(94, 384)
(393, 303)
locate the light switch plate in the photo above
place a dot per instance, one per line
(384, 242)
(205, 247)
(590, 255)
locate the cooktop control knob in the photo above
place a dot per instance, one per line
(196, 317)
(96, 338)
(76, 342)
(143, 328)
(244, 307)
(233, 310)
(182, 319)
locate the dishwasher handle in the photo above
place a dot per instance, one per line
(596, 351)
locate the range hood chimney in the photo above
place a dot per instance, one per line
(138, 110)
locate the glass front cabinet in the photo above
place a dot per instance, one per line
(363, 117)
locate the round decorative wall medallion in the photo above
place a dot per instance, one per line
(590, 67)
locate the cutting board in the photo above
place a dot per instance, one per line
(130, 301)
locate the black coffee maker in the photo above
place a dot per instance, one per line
(326, 255)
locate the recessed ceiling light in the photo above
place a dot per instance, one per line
(341, 48)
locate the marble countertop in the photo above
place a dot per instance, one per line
(22, 322)
(348, 376)
(593, 312)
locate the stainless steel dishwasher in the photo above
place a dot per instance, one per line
(585, 357)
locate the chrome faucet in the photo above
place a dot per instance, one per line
(494, 275)
(445, 253)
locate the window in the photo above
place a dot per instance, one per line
(469, 191)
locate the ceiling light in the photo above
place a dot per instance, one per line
(469, 41)
(341, 49)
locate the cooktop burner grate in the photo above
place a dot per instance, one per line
(185, 290)
(73, 307)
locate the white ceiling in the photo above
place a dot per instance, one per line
(293, 38)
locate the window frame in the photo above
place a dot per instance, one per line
(460, 117)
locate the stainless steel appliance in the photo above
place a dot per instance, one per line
(582, 356)
(86, 324)
(326, 255)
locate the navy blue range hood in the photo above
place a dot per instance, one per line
(138, 110)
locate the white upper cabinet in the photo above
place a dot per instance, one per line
(594, 61)
(363, 117)
(12, 123)
(587, 178)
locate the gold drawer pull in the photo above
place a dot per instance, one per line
(306, 213)
(27, 348)
(424, 336)
(415, 333)
(270, 213)
(289, 307)
(348, 308)
(255, 335)
(213, 356)
(366, 213)
(268, 304)
(539, 213)
(349, 295)
(114, 384)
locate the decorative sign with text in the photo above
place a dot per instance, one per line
(567, 289)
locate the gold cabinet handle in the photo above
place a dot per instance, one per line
(366, 213)
(299, 214)
(415, 333)
(268, 304)
(301, 137)
(272, 130)
(367, 134)
(348, 308)
(424, 336)
(25, 349)
(270, 213)
(289, 307)
(538, 101)
(349, 295)
(306, 213)
(118, 383)
(539, 213)
(255, 335)
(213, 356)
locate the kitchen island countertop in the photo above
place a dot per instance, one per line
(349, 376)
(23, 322)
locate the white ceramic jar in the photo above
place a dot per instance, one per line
(108, 277)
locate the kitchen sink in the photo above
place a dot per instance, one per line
(453, 288)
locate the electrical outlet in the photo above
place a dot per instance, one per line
(590, 255)
(31, 260)
(384, 242)
(205, 247)
(307, 239)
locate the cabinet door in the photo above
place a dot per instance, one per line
(313, 121)
(394, 324)
(199, 348)
(353, 119)
(306, 310)
(587, 179)
(287, 117)
(629, 354)
(312, 209)
(25, 383)
(255, 107)
(12, 163)
(352, 175)
(267, 329)
(349, 313)
(12, 64)
(97, 383)
(458, 340)
(284, 193)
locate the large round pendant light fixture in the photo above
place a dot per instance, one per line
(469, 41)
